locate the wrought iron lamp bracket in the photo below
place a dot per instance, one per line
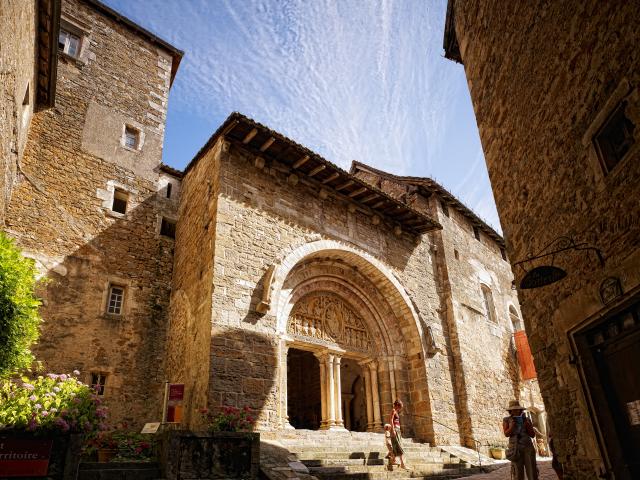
(547, 274)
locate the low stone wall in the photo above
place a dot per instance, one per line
(185, 454)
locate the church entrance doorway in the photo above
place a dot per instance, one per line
(303, 387)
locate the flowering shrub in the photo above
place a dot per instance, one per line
(229, 419)
(51, 402)
(128, 445)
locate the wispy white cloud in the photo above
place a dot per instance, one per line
(350, 79)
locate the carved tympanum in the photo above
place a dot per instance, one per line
(326, 317)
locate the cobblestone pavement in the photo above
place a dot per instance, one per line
(504, 473)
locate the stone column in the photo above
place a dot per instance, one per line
(367, 392)
(284, 386)
(375, 393)
(323, 390)
(392, 379)
(338, 392)
(331, 391)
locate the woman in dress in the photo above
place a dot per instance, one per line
(396, 433)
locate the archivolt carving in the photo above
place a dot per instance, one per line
(327, 318)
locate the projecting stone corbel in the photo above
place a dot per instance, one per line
(265, 301)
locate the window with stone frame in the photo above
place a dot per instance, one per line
(169, 188)
(69, 43)
(131, 137)
(476, 232)
(614, 139)
(488, 303)
(516, 322)
(120, 201)
(115, 301)
(168, 227)
(98, 382)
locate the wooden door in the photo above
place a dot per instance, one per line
(611, 362)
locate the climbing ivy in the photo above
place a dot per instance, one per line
(19, 317)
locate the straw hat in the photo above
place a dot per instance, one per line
(515, 405)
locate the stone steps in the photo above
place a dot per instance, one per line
(354, 456)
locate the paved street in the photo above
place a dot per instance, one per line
(503, 473)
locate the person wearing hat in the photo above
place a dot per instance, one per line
(521, 451)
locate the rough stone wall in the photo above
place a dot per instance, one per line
(61, 215)
(484, 368)
(189, 345)
(17, 87)
(537, 110)
(260, 219)
(488, 376)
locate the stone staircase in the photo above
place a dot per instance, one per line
(354, 456)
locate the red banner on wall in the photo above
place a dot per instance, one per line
(20, 457)
(525, 359)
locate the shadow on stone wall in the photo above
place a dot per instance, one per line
(243, 373)
(79, 333)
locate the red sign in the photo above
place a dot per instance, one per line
(176, 391)
(21, 457)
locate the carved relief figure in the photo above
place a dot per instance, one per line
(326, 317)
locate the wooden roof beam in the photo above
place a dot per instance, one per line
(368, 198)
(249, 136)
(330, 178)
(318, 169)
(357, 192)
(267, 144)
(379, 204)
(301, 161)
(344, 185)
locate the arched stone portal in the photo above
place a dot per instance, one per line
(351, 313)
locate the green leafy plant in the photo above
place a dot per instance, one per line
(19, 318)
(50, 403)
(229, 419)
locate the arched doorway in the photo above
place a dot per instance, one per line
(349, 311)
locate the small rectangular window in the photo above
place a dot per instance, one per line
(68, 43)
(503, 253)
(169, 190)
(116, 300)
(120, 200)
(131, 137)
(476, 233)
(98, 381)
(168, 228)
(456, 254)
(615, 138)
(445, 208)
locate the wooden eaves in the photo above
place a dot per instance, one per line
(304, 166)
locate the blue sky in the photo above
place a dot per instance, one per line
(350, 79)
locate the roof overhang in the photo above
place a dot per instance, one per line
(450, 43)
(48, 23)
(427, 187)
(318, 173)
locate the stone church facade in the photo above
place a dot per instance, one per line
(263, 275)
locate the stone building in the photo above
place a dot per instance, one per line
(555, 91)
(316, 296)
(92, 206)
(263, 275)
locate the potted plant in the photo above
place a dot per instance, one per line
(497, 451)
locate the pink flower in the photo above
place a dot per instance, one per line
(76, 372)
(33, 398)
(28, 386)
(63, 376)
